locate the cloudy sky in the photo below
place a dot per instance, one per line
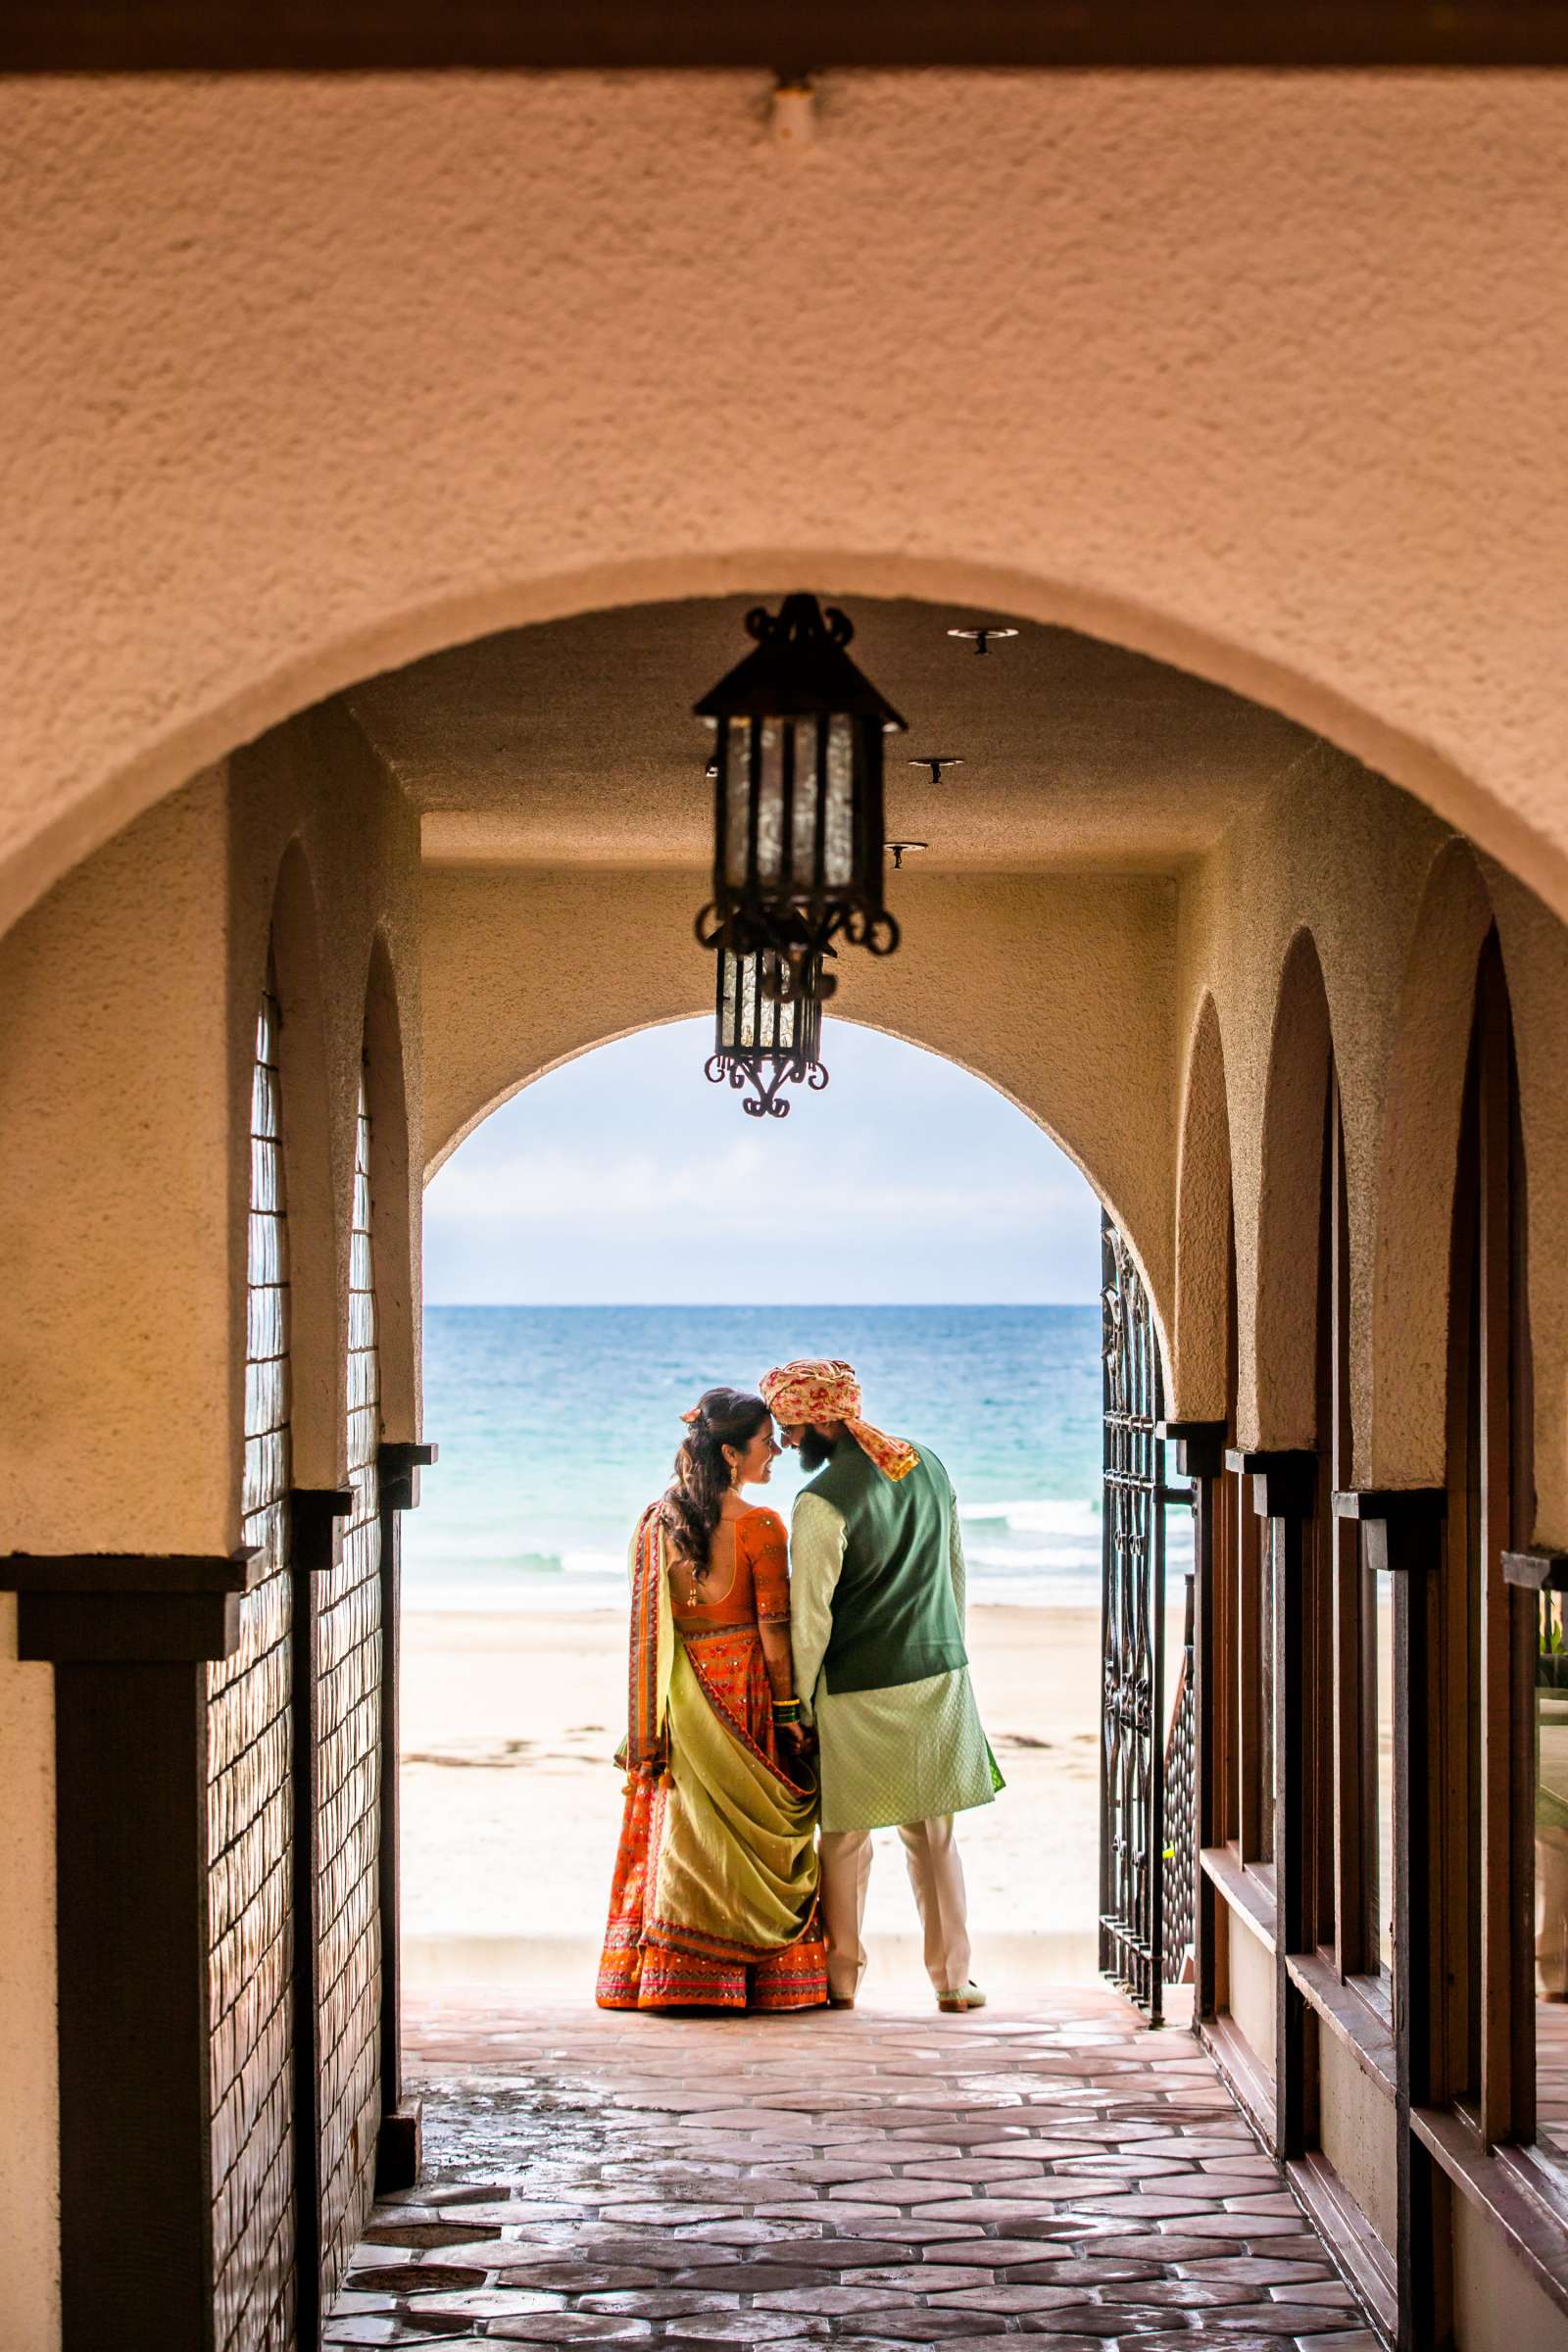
(626, 1179)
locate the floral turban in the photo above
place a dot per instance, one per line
(807, 1390)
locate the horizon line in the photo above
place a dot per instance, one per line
(760, 1305)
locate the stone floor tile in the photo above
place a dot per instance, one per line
(756, 2229)
(573, 2277)
(1241, 2224)
(1179, 2294)
(930, 2326)
(659, 2302)
(906, 2229)
(926, 2278)
(391, 2231)
(394, 2328)
(1257, 2269)
(831, 2301)
(743, 2328)
(1080, 2327)
(411, 2278)
(569, 2327)
(1013, 2295)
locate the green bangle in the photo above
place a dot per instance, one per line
(786, 1710)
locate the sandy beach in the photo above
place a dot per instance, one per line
(511, 1803)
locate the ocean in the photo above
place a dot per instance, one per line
(557, 1424)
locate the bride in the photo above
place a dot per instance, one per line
(713, 1903)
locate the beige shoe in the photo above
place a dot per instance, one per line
(956, 2004)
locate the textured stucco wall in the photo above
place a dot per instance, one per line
(130, 995)
(1259, 373)
(325, 852)
(1058, 992)
(1395, 909)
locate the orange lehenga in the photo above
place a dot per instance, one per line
(714, 1898)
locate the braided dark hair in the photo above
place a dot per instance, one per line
(703, 1477)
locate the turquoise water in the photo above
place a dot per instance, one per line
(557, 1424)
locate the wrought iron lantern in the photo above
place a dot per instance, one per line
(798, 832)
(767, 1038)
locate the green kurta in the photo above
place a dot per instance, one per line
(894, 1751)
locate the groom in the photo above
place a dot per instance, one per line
(877, 1614)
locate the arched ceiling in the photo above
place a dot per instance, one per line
(573, 742)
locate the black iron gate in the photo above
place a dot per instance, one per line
(1145, 1825)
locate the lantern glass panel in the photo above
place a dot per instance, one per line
(738, 803)
(840, 845)
(729, 1018)
(802, 818)
(748, 1001)
(784, 1024)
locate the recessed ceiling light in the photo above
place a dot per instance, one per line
(983, 635)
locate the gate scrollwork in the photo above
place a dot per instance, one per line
(1140, 1817)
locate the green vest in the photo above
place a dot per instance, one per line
(894, 1618)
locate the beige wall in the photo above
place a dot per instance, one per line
(1359, 2130)
(1496, 2302)
(1249, 1978)
(130, 995)
(1352, 880)
(1254, 372)
(1059, 991)
(1174, 1038)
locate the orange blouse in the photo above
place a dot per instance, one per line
(755, 1592)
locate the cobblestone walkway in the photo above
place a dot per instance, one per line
(858, 2179)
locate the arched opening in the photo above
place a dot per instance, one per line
(613, 1242)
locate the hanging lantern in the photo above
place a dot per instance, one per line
(797, 798)
(767, 1039)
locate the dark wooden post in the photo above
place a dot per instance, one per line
(313, 1514)
(1284, 1496)
(130, 1638)
(1402, 1532)
(397, 2155)
(1200, 1456)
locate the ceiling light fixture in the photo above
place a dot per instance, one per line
(797, 825)
(982, 636)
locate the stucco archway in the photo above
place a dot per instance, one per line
(1105, 1183)
(1180, 450)
(1205, 1247)
(1277, 1371)
(39, 854)
(1404, 1441)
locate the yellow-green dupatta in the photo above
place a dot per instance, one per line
(732, 1863)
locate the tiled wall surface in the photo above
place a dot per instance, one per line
(349, 1702)
(248, 1805)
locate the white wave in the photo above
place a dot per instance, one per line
(1029, 1557)
(1034, 1517)
(595, 1563)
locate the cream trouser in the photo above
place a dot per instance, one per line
(937, 1876)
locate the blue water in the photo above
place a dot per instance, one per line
(557, 1424)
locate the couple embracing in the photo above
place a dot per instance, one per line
(779, 1688)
